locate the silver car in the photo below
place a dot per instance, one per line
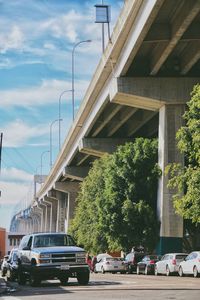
(190, 265)
(169, 263)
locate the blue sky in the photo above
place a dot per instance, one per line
(36, 42)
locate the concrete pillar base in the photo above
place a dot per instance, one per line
(169, 245)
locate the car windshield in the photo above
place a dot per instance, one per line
(181, 256)
(53, 240)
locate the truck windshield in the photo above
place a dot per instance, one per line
(53, 240)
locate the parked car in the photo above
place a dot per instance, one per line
(111, 264)
(169, 263)
(4, 265)
(132, 259)
(12, 268)
(190, 265)
(147, 264)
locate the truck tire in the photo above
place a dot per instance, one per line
(83, 277)
(63, 280)
(34, 280)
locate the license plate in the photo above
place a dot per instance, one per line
(64, 267)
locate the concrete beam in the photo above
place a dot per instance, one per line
(151, 93)
(100, 146)
(67, 187)
(189, 10)
(76, 173)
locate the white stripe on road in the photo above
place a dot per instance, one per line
(11, 298)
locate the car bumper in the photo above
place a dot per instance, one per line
(56, 271)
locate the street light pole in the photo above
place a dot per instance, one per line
(73, 51)
(51, 139)
(41, 165)
(59, 116)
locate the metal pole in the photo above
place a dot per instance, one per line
(73, 51)
(41, 157)
(51, 163)
(59, 116)
(103, 36)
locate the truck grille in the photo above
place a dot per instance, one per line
(63, 257)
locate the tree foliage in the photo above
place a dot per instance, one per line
(117, 202)
(186, 180)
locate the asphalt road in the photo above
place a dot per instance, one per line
(113, 286)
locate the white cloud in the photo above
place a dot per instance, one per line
(47, 93)
(13, 174)
(13, 39)
(14, 192)
(18, 133)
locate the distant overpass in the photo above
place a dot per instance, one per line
(140, 88)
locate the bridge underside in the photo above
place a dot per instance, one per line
(140, 89)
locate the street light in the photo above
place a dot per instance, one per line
(59, 115)
(41, 165)
(51, 139)
(73, 50)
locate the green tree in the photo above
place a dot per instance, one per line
(117, 202)
(131, 193)
(186, 180)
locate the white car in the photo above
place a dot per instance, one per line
(190, 265)
(111, 264)
(169, 263)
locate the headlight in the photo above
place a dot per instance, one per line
(45, 255)
(46, 261)
(80, 255)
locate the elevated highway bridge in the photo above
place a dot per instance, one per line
(140, 88)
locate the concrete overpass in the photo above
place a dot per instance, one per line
(140, 88)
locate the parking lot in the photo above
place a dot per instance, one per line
(113, 286)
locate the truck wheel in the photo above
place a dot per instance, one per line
(83, 277)
(63, 280)
(33, 280)
(21, 278)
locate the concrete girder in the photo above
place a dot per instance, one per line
(189, 10)
(76, 173)
(151, 93)
(100, 146)
(67, 187)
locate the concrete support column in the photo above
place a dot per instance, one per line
(48, 214)
(42, 208)
(70, 207)
(38, 212)
(171, 230)
(68, 195)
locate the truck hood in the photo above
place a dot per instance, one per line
(60, 249)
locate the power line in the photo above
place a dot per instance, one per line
(23, 158)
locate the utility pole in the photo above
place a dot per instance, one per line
(1, 140)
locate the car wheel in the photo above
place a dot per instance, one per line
(146, 272)
(10, 276)
(83, 277)
(180, 272)
(195, 272)
(168, 273)
(156, 271)
(102, 270)
(138, 270)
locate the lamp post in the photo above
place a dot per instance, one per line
(51, 139)
(73, 51)
(59, 115)
(41, 158)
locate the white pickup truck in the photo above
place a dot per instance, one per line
(43, 256)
